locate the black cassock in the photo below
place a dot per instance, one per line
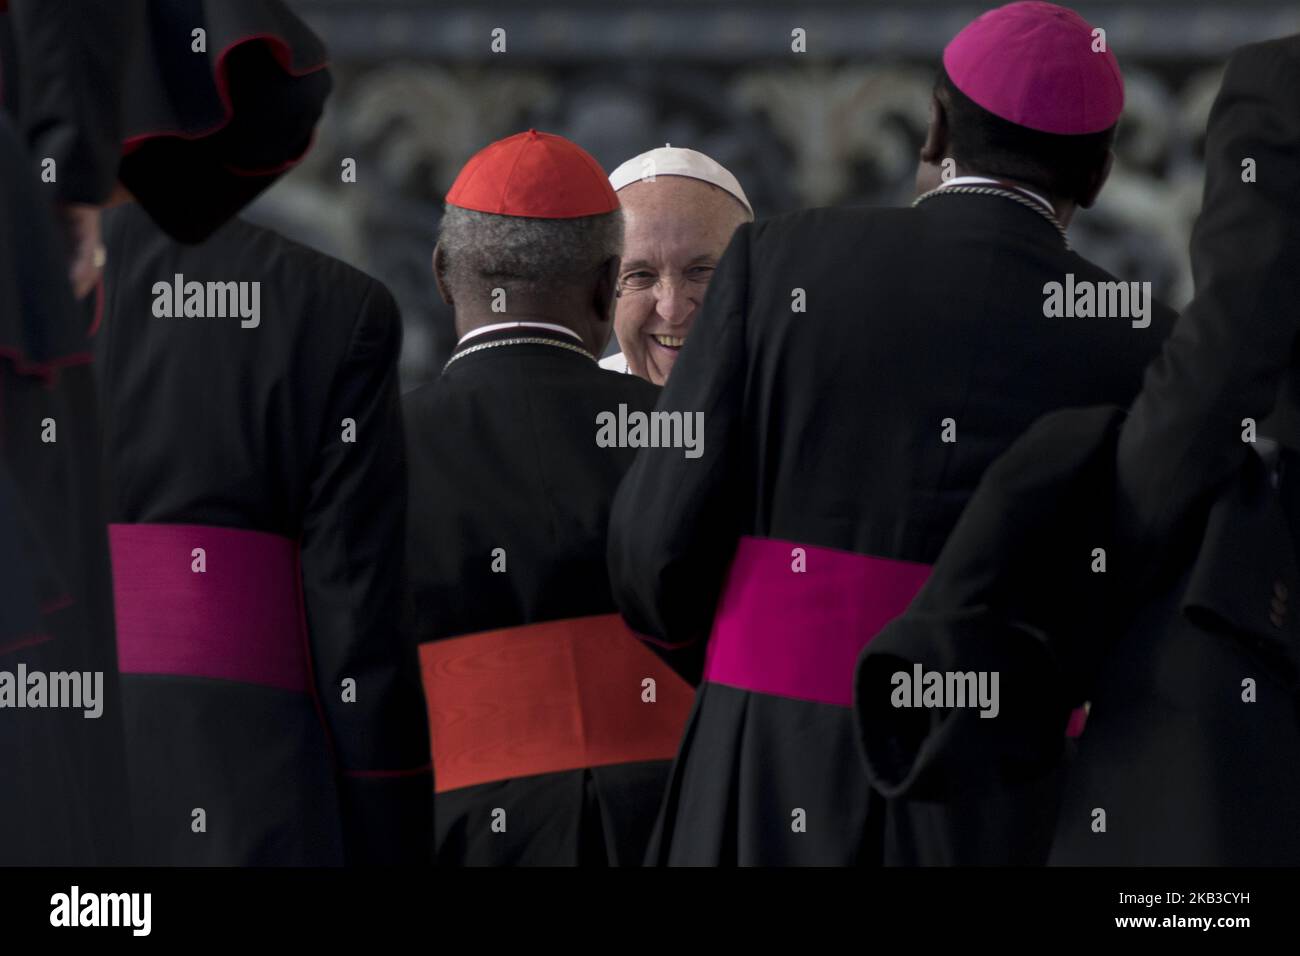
(65, 69)
(256, 496)
(62, 796)
(102, 90)
(1186, 646)
(534, 686)
(62, 781)
(1193, 744)
(837, 350)
(1190, 750)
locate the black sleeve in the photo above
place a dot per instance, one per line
(1226, 356)
(675, 520)
(353, 564)
(72, 58)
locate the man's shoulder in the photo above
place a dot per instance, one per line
(1279, 54)
(1263, 75)
(638, 390)
(419, 398)
(633, 390)
(1162, 316)
(607, 387)
(282, 255)
(449, 415)
(426, 414)
(241, 250)
(787, 231)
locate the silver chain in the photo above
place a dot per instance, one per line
(522, 340)
(1005, 194)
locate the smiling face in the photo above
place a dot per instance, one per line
(676, 231)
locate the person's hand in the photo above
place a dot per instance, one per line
(85, 246)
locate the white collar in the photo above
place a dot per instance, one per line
(615, 363)
(981, 180)
(498, 326)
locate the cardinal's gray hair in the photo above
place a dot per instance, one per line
(483, 251)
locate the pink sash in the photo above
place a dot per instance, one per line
(238, 619)
(794, 626)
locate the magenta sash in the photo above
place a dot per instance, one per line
(798, 633)
(239, 619)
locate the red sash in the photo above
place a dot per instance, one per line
(547, 697)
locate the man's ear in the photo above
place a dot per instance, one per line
(602, 305)
(1096, 180)
(935, 146)
(440, 273)
(602, 301)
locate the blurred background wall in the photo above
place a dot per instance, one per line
(418, 89)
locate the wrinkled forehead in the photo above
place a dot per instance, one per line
(676, 219)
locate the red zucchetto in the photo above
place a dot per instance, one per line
(532, 174)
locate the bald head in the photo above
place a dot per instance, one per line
(676, 229)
